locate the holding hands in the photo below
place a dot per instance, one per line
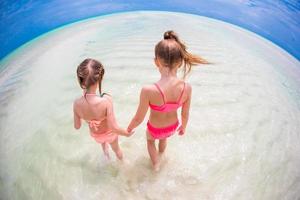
(180, 130)
(129, 132)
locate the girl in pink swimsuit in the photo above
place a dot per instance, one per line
(166, 96)
(96, 110)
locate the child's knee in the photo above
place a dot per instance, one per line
(152, 142)
(163, 141)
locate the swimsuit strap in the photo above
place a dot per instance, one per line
(181, 93)
(94, 94)
(160, 91)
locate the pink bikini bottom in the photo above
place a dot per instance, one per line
(162, 132)
(107, 137)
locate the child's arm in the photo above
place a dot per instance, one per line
(185, 110)
(111, 119)
(141, 111)
(77, 120)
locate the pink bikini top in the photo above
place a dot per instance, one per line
(167, 106)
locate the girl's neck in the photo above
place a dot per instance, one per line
(168, 74)
(92, 89)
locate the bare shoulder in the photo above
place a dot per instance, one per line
(107, 98)
(105, 101)
(77, 102)
(148, 88)
(188, 87)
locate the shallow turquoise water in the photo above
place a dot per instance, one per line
(243, 137)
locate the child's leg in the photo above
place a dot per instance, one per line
(162, 145)
(153, 153)
(116, 148)
(105, 150)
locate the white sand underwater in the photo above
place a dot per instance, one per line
(242, 141)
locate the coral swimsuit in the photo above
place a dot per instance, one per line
(100, 137)
(106, 137)
(164, 132)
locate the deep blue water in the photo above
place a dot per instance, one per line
(278, 21)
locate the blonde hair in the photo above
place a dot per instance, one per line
(171, 51)
(89, 72)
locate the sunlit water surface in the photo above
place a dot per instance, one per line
(242, 140)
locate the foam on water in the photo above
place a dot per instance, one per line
(242, 141)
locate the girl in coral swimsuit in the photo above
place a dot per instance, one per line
(166, 96)
(97, 110)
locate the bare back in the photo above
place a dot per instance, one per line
(171, 90)
(93, 108)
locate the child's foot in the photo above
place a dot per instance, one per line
(119, 155)
(124, 161)
(105, 149)
(106, 155)
(156, 167)
(161, 155)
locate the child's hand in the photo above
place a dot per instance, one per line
(130, 132)
(180, 130)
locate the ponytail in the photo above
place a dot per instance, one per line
(188, 59)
